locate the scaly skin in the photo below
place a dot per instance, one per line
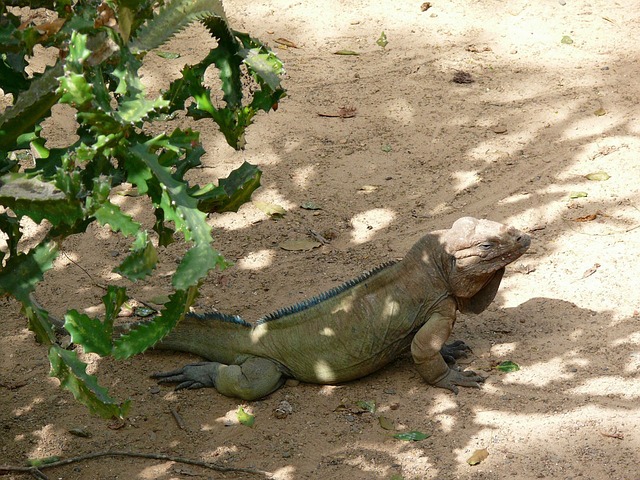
(358, 328)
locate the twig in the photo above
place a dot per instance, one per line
(177, 417)
(35, 470)
(318, 237)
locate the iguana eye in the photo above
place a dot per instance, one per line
(486, 245)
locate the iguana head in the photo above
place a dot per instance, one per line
(479, 250)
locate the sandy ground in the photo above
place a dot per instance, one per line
(514, 145)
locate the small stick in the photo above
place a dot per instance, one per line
(177, 417)
(35, 471)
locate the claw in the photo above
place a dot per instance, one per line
(455, 378)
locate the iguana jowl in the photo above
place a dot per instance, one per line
(360, 326)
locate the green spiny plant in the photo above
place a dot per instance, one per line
(101, 47)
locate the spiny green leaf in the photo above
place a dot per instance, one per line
(147, 334)
(31, 107)
(22, 272)
(111, 214)
(72, 373)
(141, 261)
(231, 192)
(266, 65)
(195, 266)
(113, 301)
(245, 418)
(91, 333)
(174, 17)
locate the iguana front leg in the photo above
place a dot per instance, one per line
(254, 378)
(425, 349)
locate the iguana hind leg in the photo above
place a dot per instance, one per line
(255, 378)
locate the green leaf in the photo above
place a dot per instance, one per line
(507, 366)
(310, 206)
(245, 418)
(578, 194)
(91, 333)
(39, 462)
(346, 52)
(73, 376)
(141, 262)
(382, 40)
(147, 334)
(412, 436)
(167, 55)
(566, 40)
(367, 405)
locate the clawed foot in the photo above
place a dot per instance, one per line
(192, 376)
(454, 350)
(462, 378)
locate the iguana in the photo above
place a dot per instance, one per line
(359, 327)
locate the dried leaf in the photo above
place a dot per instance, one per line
(616, 435)
(591, 271)
(345, 52)
(245, 418)
(299, 245)
(478, 456)
(507, 366)
(368, 188)
(587, 218)
(425, 6)
(600, 112)
(598, 176)
(386, 423)
(271, 209)
(286, 43)
(412, 436)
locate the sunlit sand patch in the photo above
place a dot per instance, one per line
(366, 224)
(256, 260)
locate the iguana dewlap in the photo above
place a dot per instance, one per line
(360, 326)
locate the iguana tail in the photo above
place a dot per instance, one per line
(214, 336)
